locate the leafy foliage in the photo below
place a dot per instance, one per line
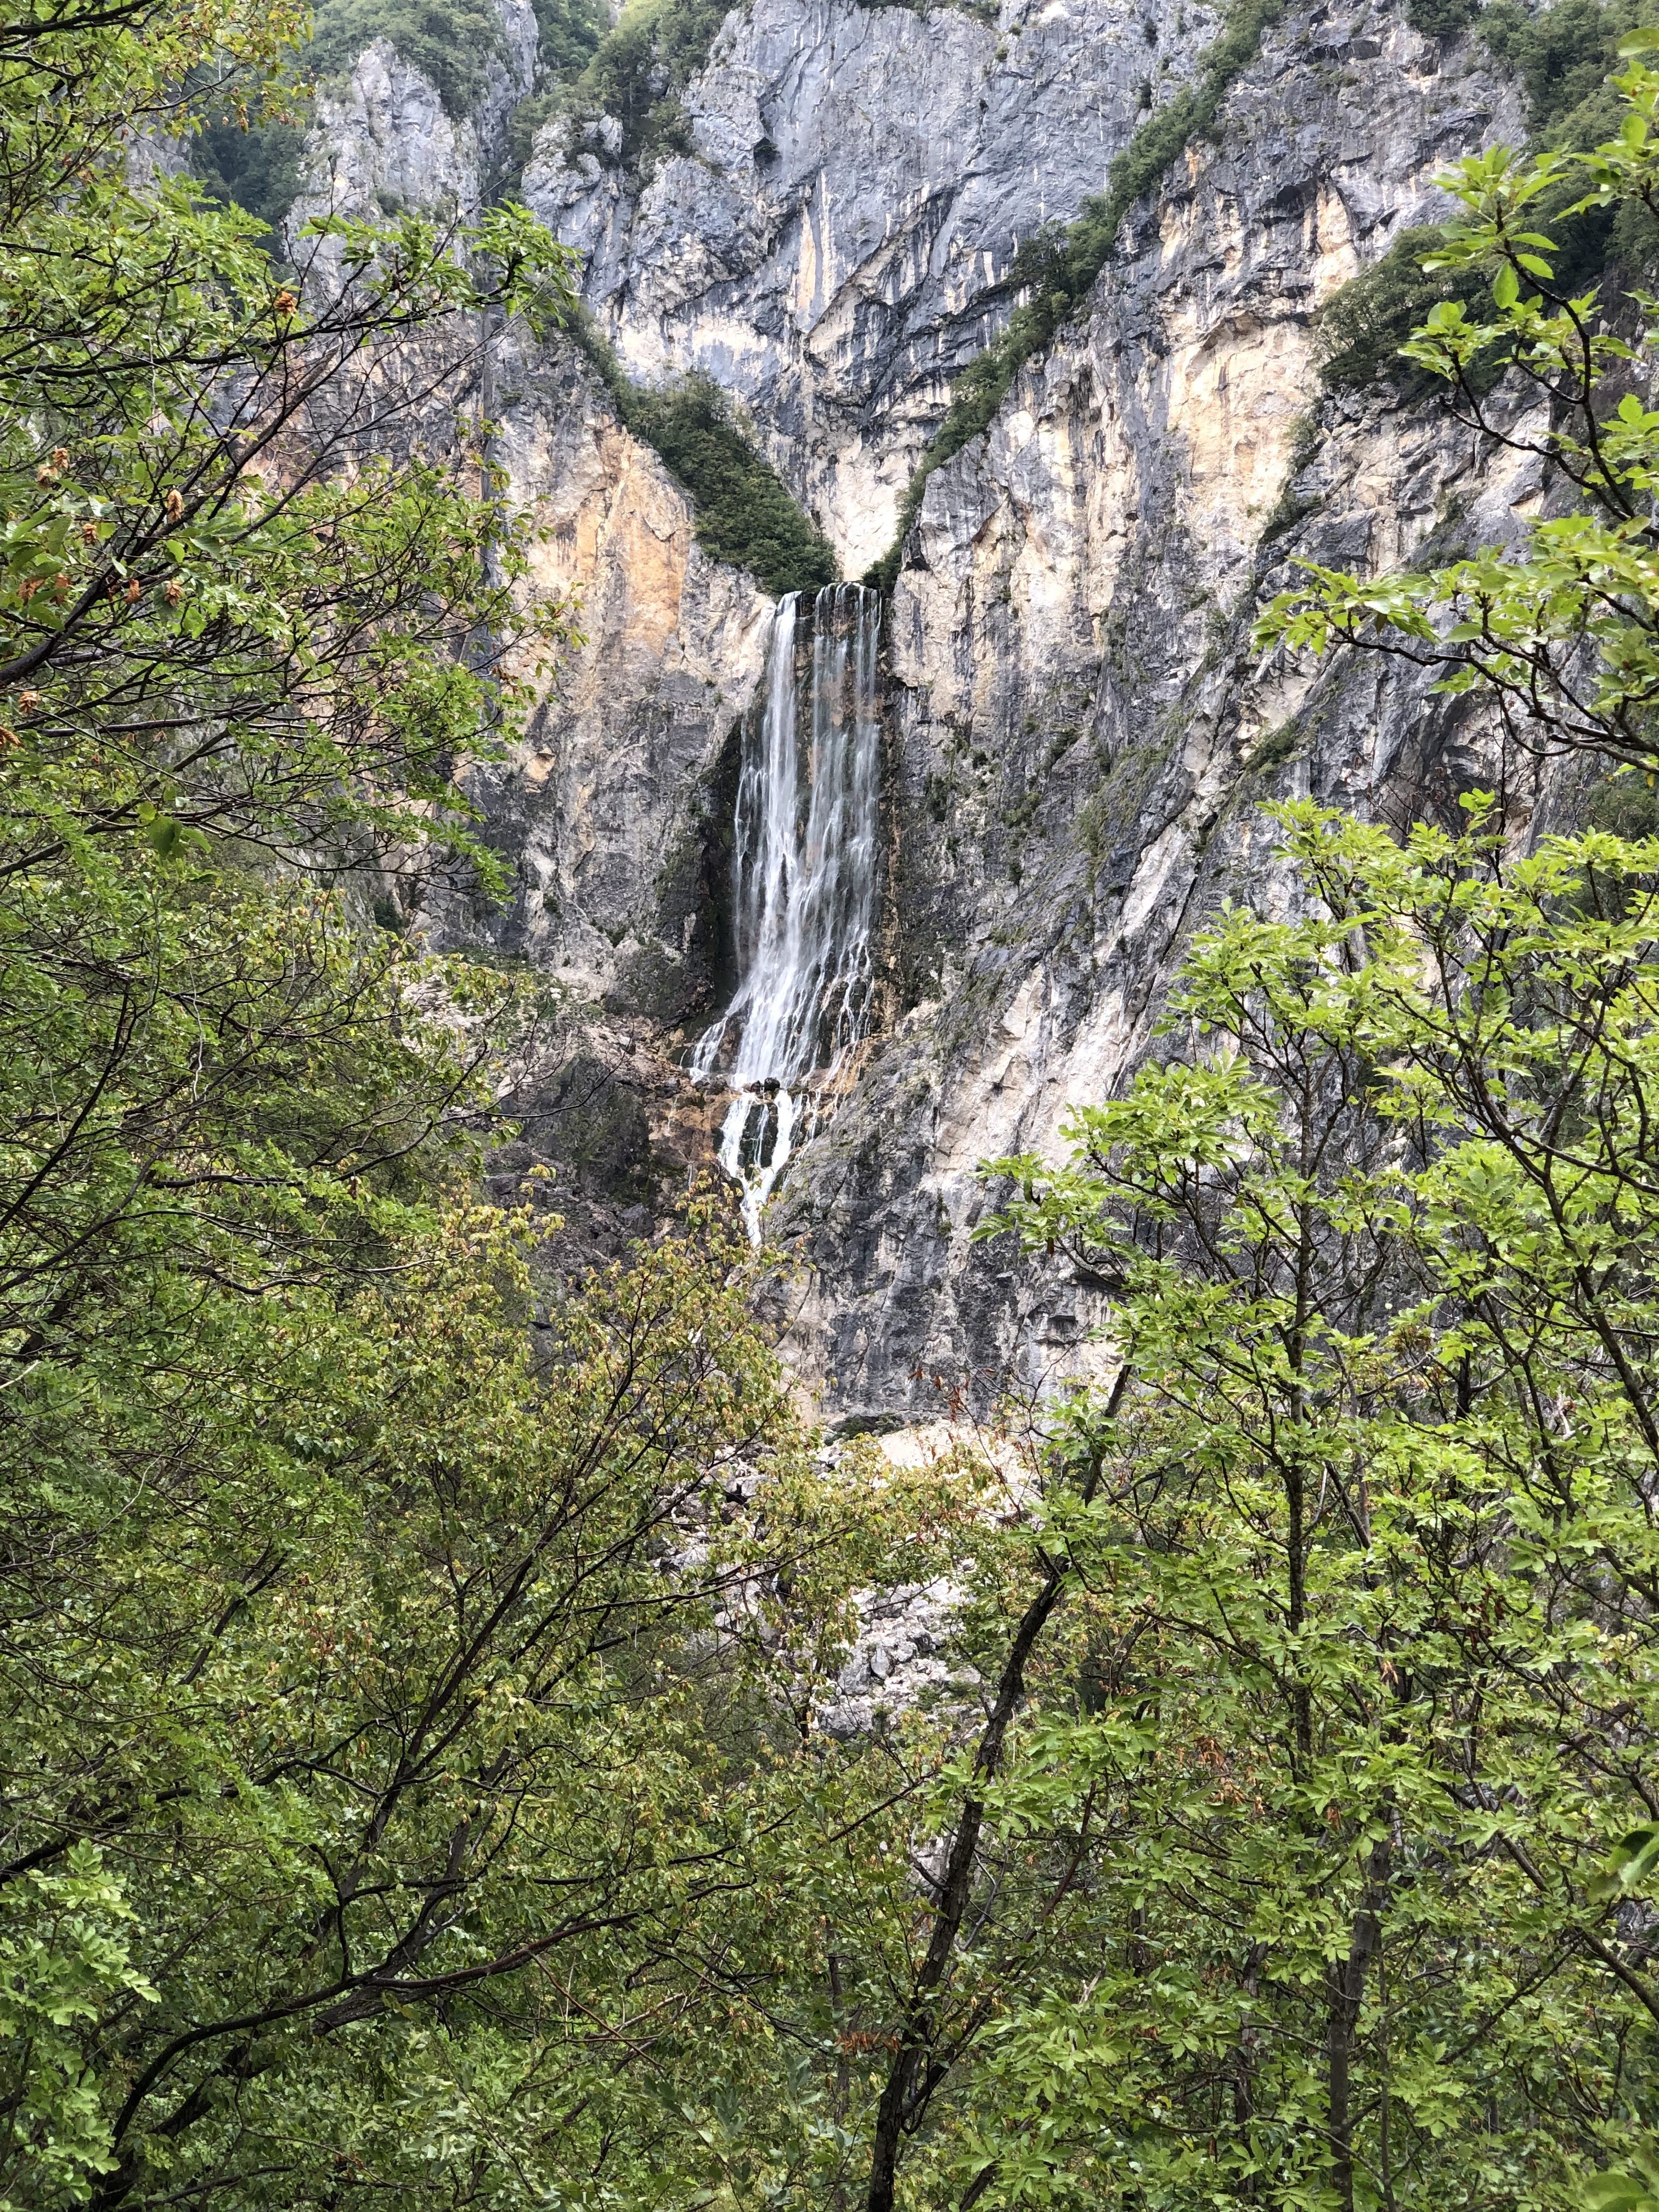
(745, 514)
(639, 69)
(1387, 1389)
(417, 1674)
(1301, 1851)
(1563, 54)
(569, 35)
(1518, 626)
(1441, 19)
(186, 593)
(341, 1690)
(1364, 326)
(450, 41)
(66, 1954)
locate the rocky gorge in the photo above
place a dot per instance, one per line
(1076, 737)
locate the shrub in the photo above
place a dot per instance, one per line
(1562, 54)
(746, 516)
(569, 35)
(639, 67)
(1362, 327)
(1441, 19)
(451, 42)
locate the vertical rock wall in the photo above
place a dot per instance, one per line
(861, 178)
(1082, 737)
(1079, 736)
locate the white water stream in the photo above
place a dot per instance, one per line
(803, 873)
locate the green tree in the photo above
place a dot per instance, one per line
(1304, 1852)
(378, 1708)
(1369, 1696)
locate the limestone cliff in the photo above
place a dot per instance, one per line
(384, 141)
(1077, 735)
(860, 179)
(1081, 737)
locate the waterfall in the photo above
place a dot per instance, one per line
(804, 872)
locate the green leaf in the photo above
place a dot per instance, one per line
(1617, 2192)
(1634, 1859)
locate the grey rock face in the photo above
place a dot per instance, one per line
(900, 1656)
(860, 179)
(1078, 735)
(383, 144)
(384, 141)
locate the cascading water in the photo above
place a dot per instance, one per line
(804, 883)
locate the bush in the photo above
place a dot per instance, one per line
(1563, 54)
(1441, 19)
(568, 33)
(746, 516)
(639, 67)
(1361, 328)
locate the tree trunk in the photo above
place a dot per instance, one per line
(1346, 1985)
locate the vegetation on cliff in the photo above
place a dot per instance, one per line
(451, 42)
(745, 514)
(1562, 55)
(639, 69)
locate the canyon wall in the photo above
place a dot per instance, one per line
(1078, 738)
